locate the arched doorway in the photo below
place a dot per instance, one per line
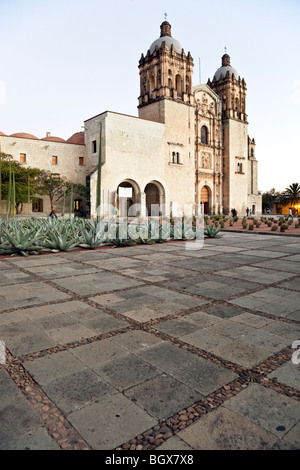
(37, 205)
(205, 199)
(155, 198)
(127, 195)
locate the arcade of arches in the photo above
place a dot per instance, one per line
(132, 202)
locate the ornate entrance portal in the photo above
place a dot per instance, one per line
(205, 199)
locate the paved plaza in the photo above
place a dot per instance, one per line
(153, 347)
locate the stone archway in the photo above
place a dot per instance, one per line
(205, 199)
(155, 198)
(128, 195)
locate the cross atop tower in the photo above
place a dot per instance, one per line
(166, 16)
(225, 49)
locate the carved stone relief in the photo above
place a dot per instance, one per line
(206, 160)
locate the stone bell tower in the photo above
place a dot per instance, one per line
(232, 91)
(166, 97)
(165, 73)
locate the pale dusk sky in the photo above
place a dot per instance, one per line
(65, 61)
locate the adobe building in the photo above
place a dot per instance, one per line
(188, 147)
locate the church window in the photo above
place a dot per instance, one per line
(159, 78)
(151, 83)
(178, 83)
(204, 135)
(81, 161)
(170, 84)
(23, 157)
(252, 153)
(240, 168)
(54, 160)
(94, 146)
(175, 158)
(188, 88)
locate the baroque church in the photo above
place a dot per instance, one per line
(188, 147)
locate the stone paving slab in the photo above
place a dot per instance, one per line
(292, 284)
(17, 415)
(225, 430)
(28, 294)
(191, 370)
(266, 408)
(288, 374)
(281, 265)
(95, 283)
(274, 300)
(213, 286)
(60, 270)
(254, 274)
(10, 276)
(120, 420)
(146, 303)
(152, 347)
(162, 396)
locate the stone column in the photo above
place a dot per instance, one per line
(143, 204)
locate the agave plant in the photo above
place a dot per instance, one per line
(18, 242)
(211, 231)
(56, 242)
(92, 238)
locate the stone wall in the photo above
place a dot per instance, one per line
(39, 154)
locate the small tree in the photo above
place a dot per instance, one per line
(52, 185)
(56, 187)
(18, 185)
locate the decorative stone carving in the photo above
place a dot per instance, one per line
(206, 160)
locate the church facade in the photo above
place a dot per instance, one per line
(188, 148)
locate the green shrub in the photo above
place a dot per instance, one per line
(284, 227)
(251, 227)
(231, 222)
(274, 228)
(212, 232)
(245, 225)
(297, 225)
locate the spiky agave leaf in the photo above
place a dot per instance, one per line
(211, 231)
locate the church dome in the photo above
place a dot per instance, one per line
(52, 138)
(23, 135)
(226, 67)
(77, 138)
(166, 37)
